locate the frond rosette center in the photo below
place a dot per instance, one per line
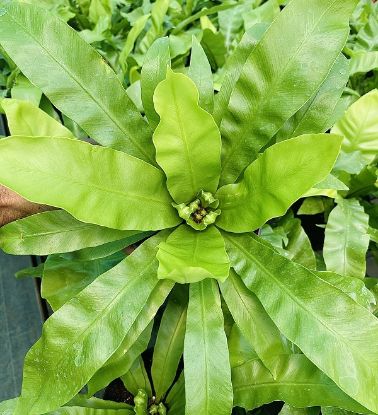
(201, 212)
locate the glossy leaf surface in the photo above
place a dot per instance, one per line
(316, 116)
(54, 232)
(80, 178)
(154, 70)
(190, 256)
(25, 118)
(122, 360)
(363, 62)
(339, 346)
(273, 182)
(355, 288)
(200, 73)
(137, 378)
(234, 66)
(117, 367)
(252, 320)
(359, 126)
(187, 140)
(280, 75)
(208, 386)
(63, 279)
(169, 344)
(106, 310)
(176, 397)
(298, 382)
(75, 78)
(346, 239)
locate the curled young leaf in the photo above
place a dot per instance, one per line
(190, 256)
(187, 140)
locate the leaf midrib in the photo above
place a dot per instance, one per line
(91, 184)
(98, 102)
(298, 302)
(241, 142)
(99, 316)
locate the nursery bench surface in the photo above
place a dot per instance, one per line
(20, 322)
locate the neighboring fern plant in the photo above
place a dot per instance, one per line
(193, 180)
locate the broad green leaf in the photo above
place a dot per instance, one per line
(331, 182)
(230, 24)
(106, 249)
(350, 162)
(24, 90)
(77, 410)
(54, 232)
(208, 385)
(366, 38)
(183, 133)
(25, 118)
(187, 140)
(346, 239)
(273, 182)
(158, 12)
(363, 62)
(189, 256)
(137, 378)
(169, 343)
(373, 234)
(335, 411)
(121, 365)
(63, 279)
(359, 126)
(132, 36)
(154, 70)
(74, 77)
(176, 397)
(200, 73)
(121, 361)
(265, 13)
(96, 403)
(298, 382)
(316, 115)
(353, 287)
(299, 247)
(239, 348)
(252, 320)
(35, 272)
(80, 178)
(280, 75)
(312, 206)
(7, 408)
(213, 44)
(234, 66)
(363, 183)
(98, 9)
(337, 345)
(106, 310)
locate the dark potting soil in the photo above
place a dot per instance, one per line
(117, 392)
